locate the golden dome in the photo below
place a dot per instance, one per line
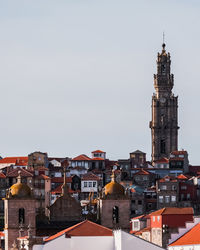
(114, 188)
(20, 190)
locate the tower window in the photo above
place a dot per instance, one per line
(21, 216)
(115, 214)
(163, 69)
(162, 146)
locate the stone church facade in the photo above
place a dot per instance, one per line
(164, 123)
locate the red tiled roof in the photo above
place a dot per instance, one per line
(97, 159)
(162, 160)
(138, 217)
(182, 152)
(2, 176)
(15, 173)
(98, 151)
(18, 160)
(60, 179)
(146, 229)
(81, 158)
(90, 176)
(189, 238)
(168, 179)
(176, 159)
(182, 177)
(58, 190)
(84, 228)
(173, 210)
(142, 172)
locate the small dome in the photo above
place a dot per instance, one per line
(20, 190)
(114, 188)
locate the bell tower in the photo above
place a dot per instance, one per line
(164, 124)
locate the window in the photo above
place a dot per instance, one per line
(173, 198)
(158, 218)
(85, 184)
(90, 184)
(173, 187)
(183, 187)
(139, 202)
(21, 216)
(163, 187)
(188, 196)
(115, 214)
(161, 199)
(154, 218)
(94, 183)
(167, 199)
(135, 224)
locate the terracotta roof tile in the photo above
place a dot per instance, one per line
(146, 229)
(2, 176)
(142, 172)
(58, 190)
(176, 159)
(60, 179)
(173, 210)
(162, 160)
(15, 160)
(98, 151)
(84, 228)
(15, 173)
(189, 238)
(81, 158)
(98, 159)
(182, 177)
(90, 176)
(182, 152)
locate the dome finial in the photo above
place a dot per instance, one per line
(19, 177)
(113, 177)
(163, 44)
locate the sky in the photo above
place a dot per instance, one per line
(77, 75)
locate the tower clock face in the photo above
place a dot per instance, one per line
(162, 100)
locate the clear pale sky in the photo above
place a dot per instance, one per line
(77, 75)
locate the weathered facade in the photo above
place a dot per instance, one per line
(164, 124)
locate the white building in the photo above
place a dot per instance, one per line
(89, 236)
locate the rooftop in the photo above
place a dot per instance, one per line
(84, 228)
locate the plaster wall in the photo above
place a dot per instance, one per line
(81, 243)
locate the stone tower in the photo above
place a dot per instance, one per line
(114, 206)
(164, 124)
(19, 206)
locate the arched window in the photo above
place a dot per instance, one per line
(21, 216)
(115, 214)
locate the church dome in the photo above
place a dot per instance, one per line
(114, 188)
(20, 190)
